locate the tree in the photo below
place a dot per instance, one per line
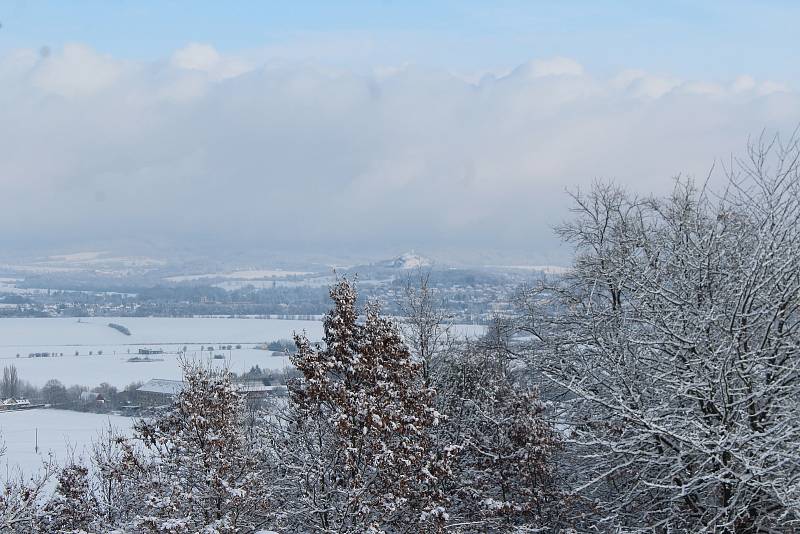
(355, 442)
(502, 447)
(73, 506)
(10, 386)
(426, 325)
(20, 499)
(192, 469)
(675, 341)
(54, 392)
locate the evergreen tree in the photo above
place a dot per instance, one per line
(356, 440)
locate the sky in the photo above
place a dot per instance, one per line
(453, 128)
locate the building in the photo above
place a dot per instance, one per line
(15, 404)
(159, 391)
(92, 397)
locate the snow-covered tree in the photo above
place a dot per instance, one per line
(676, 341)
(355, 442)
(73, 506)
(192, 469)
(21, 499)
(503, 447)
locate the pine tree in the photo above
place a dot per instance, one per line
(359, 422)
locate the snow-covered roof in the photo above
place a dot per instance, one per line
(15, 402)
(173, 387)
(162, 386)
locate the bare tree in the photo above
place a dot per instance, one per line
(676, 342)
(21, 497)
(426, 325)
(501, 446)
(10, 385)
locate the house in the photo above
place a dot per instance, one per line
(159, 391)
(92, 397)
(14, 404)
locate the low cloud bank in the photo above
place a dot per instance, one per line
(213, 149)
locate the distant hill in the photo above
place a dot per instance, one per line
(409, 260)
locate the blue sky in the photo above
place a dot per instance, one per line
(695, 40)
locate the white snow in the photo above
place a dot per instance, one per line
(61, 335)
(60, 432)
(76, 256)
(159, 385)
(24, 336)
(409, 260)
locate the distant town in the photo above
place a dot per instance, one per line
(95, 286)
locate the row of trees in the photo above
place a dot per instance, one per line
(55, 393)
(654, 388)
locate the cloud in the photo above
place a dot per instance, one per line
(205, 58)
(76, 71)
(209, 148)
(557, 66)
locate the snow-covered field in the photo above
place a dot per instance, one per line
(68, 336)
(60, 432)
(24, 336)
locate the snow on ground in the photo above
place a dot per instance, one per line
(59, 432)
(76, 256)
(24, 336)
(38, 269)
(89, 259)
(62, 335)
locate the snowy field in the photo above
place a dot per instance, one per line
(59, 432)
(68, 336)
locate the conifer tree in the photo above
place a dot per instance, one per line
(359, 424)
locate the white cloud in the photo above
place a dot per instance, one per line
(769, 87)
(209, 147)
(557, 66)
(77, 71)
(743, 83)
(205, 58)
